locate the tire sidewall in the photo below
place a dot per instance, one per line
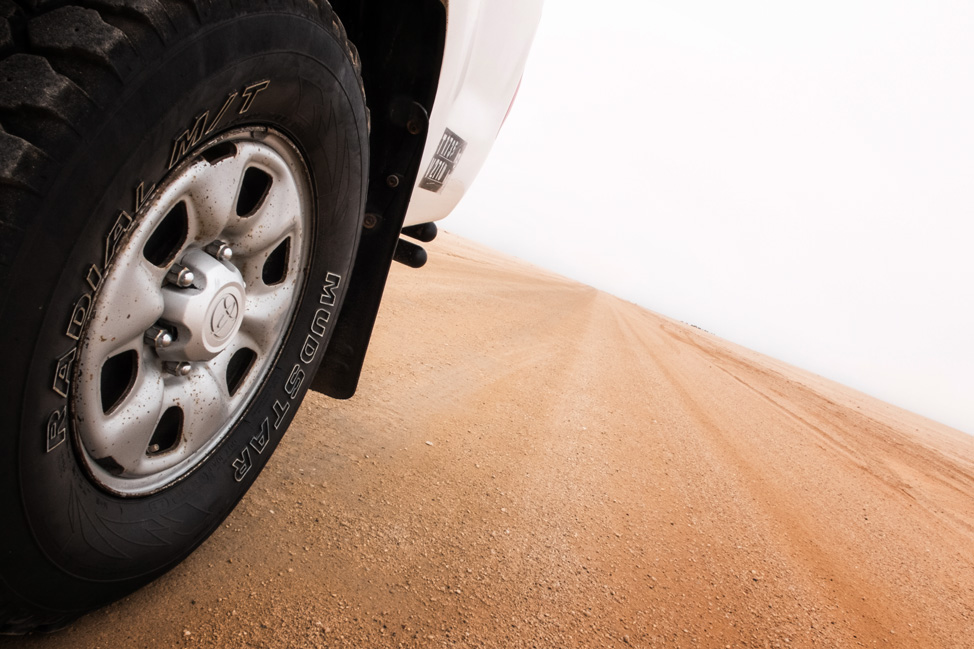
(71, 544)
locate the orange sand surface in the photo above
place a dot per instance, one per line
(530, 462)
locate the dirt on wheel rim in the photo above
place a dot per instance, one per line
(532, 463)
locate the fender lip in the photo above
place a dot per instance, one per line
(486, 50)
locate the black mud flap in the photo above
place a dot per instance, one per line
(390, 191)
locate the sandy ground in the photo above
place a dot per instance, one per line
(532, 463)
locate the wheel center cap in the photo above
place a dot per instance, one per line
(207, 314)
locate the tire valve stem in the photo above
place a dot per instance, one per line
(158, 337)
(220, 250)
(181, 276)
(177, 368)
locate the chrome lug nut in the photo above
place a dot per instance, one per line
(158, 337)
(181, 276)
(177, 368)
(219, 250)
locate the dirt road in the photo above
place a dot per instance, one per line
(532, 463)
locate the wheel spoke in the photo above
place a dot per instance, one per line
(206, 406)
(136, 303)
(123, 435)
(243, 340)
(254, 268)
(274, 218)
(212, 194)
(266, 313)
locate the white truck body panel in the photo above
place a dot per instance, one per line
(487, 44)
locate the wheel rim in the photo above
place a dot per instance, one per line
(192, 311)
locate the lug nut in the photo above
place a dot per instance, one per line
(158, 337)
(180, 276)
(219, 250)
(177, 368)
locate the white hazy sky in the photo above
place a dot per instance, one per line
(794, 177)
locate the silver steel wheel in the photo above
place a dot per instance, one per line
(191, 313)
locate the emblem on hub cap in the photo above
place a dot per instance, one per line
(225, 312)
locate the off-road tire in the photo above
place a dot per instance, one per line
(102, 103)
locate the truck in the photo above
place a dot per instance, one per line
(200, 201)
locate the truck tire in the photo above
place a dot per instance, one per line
(182, 187)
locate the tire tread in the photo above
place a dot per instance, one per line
(90, 48)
